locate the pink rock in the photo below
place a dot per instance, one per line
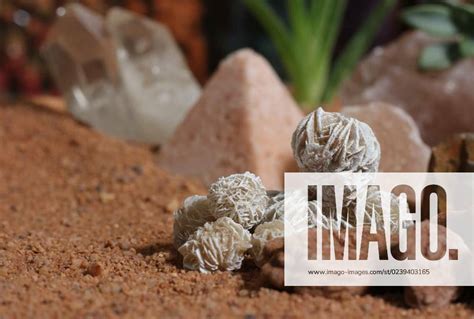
(243, 121)
(439, 102)
(402, 148)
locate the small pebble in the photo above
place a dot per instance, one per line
(94, 270)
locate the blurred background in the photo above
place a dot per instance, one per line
(206, 30)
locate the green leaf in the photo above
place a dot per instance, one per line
(462, 16)
(298, 18)
(466, 48)
(326, 32)
(277, 31)
(300, 25)
(306, 45)
(356, 47)
(431, 18)
(439, 56)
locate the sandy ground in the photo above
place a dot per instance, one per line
(86, 232)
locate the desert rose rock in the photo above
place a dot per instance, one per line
(402, 148)
(243, 121)
(262, 234)
(219, 245)
(331, 142)
(125, 76)
(439, 102)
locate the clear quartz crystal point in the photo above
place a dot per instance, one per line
(124, 76)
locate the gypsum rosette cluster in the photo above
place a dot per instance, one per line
(238, 216)
(332, 142)
(214, 232)
(276, 210)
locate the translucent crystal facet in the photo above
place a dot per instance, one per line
(124, 75)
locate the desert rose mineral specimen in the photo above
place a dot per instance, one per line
(331, 142)
(263, 233)
(374, 205)
(241, 197)
(125, 76)
(276, 211)
(219, 245)
(194, 214)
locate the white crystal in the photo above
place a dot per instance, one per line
(124, 76)
(264, 233)
(242, 197)
(187, 219)
(219, 245)
(332, 142)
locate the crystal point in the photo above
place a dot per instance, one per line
(124, 75)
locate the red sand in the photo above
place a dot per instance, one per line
(86, 231)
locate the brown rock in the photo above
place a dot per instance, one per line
(274, 275)
(52, 103)
(433, 296)
(453, 155)
(402, 148)
(468, 159)
(430, 297)
(411, 235)
(333, 292)
(272, 247)
(439, 102)
(94, 270)
(273, 269)
(243, 121)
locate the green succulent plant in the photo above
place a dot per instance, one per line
(449, 20)
(305, 44)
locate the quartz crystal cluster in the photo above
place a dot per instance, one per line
(124, 75)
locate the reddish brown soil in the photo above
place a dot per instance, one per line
(85, 231)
